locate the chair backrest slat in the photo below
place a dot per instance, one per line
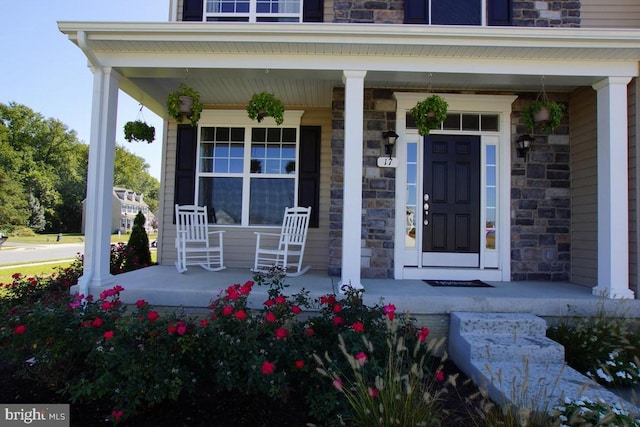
(192, 223)
(295, 225)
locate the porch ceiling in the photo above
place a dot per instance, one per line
(301, 63)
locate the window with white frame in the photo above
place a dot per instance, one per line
(254, 10)
(247, 175)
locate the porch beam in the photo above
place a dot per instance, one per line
(613, 197)
(102, 145)
(352, 176)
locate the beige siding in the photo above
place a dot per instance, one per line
(584, 256)
(239, 243)
(610, 13)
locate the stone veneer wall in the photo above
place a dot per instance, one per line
(540, 187)
(378, 186)
(540, 202)
(552, 13)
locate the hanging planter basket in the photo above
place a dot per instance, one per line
(184, 103)
(429, 114)
(265, 104)
(543, 112)
(139, 130)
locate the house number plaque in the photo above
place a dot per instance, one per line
(387, 162)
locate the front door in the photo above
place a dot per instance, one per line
(451, 201)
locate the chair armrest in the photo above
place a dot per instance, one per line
(259, 233)
(217, 232)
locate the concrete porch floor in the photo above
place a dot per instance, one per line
(196, 288)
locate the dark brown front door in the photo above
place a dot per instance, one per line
(451, 201)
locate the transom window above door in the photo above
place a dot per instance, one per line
(254, 10)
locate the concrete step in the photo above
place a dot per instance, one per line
(540, 386)
(498, 323)
(514, 348)
(509, 356)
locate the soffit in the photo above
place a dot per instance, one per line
(301, 63)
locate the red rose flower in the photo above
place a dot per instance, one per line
(337, 308)
(108, 335)
(423, 333)
(361, 358)
(280, 299)
(338, 320)
(97, 322)
(20, 329)
(268, 367)
(310, 332)
(227, 310)
(358, 327)
(373, 392)
(141, 303)
(440, 376)
(390, 311)
(241, 315)
(204, 323)
(117, 415)
(270, 317)
(296, 310)
(299, 364)
(281, 333)
(181, 329)
(269, 303)
(171, 329)
(153, 316)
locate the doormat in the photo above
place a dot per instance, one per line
(458, 283)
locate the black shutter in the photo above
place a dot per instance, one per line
(313, 11)
(416, 12)
(192, 10)
(309, 172)
(185, 184)
(499, 12)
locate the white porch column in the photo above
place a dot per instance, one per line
(102, 147)
(352, 197)
(613, 197)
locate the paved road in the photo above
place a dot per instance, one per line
(23, 253)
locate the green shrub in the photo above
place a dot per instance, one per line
(604, 348)
(137, 254)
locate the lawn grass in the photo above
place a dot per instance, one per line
(67, 238)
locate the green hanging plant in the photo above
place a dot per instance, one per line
(184, 102)
(545, 112)
(265, 104)
(139, 131)
(429, 114)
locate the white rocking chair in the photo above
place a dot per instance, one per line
(290, 244)
(192, 240)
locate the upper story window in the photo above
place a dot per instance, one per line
(254, 10)
(458, 12)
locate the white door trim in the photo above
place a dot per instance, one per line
(487, 104)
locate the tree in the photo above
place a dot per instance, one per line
(43, 158)
(36, 219)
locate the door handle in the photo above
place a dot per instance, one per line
(426, 208)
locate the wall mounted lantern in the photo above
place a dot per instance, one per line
(523, 144)
(389, 141)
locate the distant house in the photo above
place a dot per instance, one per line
(124, 207)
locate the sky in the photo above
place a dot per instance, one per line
(42, 69)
